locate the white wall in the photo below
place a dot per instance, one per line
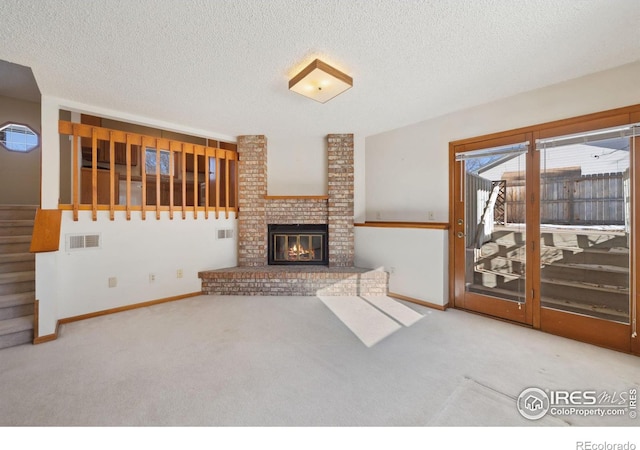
(20, 172)
(130, 251)
(407, 168)
(359, 179)
(50, 173)
(298, 166)
(416, 260)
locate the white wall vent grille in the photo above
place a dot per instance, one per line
(226, 233)
(76, 242)
(92, 241)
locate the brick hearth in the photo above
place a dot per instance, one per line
(295, 280)
(254, 276)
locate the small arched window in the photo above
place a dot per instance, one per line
(18, 138)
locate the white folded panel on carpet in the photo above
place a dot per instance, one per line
(403, 314)
(365, 321)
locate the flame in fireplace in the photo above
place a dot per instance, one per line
(295, 252)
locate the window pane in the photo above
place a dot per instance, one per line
(495, 209)
(18, 138)
(585, 228)
(151, 163)
(223, 182)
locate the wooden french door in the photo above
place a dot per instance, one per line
(491, 261)
(544, 231)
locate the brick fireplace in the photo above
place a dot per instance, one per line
(258, 210)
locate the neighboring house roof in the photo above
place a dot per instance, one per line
(608, 157)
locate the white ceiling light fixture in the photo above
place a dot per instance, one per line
(320, 82)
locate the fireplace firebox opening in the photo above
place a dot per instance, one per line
(298, 244)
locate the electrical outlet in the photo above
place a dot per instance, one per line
(378, 216)
(392, 269)
(431, 216)
(113, 282)
(179, 273)
(152, 277)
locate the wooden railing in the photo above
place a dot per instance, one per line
(173, 176)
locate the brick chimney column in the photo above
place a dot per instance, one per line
(340, 204)
(252, 188)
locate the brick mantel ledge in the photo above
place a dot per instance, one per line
(296, 197)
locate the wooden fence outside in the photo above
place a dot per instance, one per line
(597, 199)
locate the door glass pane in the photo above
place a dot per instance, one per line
(585, 227)
(494, 192)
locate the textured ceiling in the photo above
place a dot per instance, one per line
(223, 65)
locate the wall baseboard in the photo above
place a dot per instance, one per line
(47, 337)
(418, 302)
(104, 312)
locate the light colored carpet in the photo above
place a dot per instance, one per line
(289, 361)
(472, 403)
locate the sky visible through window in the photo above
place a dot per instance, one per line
(150, 161)
(18, 138)
(476, 164)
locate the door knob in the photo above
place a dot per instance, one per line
(460, 234)
(460, 221)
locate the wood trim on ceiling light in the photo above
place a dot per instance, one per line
(320, 82)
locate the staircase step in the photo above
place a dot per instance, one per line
(23, 298)
(588, 295)
(17, 262)
(494, 249)
(508, 238)
(18, 212)
(588, 310)
(597, 274)
(16, 331)
(502, 265)
(16, 227)
(617, 256)
(609, 297)
(554, 303)
(16, 257)
(492, 279)
(17, 282)
(507, 294)
(584, 271)
(583, 239)
(15, 277)
(15, 244)
(16, 305)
